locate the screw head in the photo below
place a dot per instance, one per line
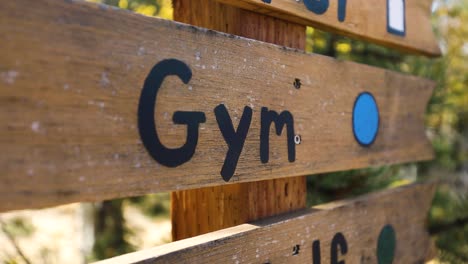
(297, 139)
(297, 83)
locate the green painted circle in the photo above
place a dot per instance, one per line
(386, 245)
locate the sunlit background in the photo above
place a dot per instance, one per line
(79, 233)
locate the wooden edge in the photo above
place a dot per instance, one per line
(405, 207)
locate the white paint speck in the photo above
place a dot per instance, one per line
(203, 67)
(190, 88)
(141, 51)
(66, 86)
(105, 79)
(9, 77)
(245, 60)
(138, 165)
(283, 66)
(35, 126)
(116, 156)
(197, 55)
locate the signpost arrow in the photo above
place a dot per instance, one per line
(155, 105)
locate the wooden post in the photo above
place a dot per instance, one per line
(199, 211)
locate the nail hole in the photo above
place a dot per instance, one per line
(297, 83)
(297, 139)
(296, 249)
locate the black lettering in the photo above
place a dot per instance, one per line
(341, 10)
(234, 139)
(285, 118)
(317, 6)
(316, 252)
(338, 241)
(146, 107)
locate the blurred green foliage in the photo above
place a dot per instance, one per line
(153, 205)
(13, 229)
(160, 8)
(110, 231)
(447, 122)
(18, 227)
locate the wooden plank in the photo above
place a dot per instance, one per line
(356, 231)
(73, 111)
(240, 203)
(404, 25)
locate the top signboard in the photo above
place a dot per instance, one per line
(399, 24)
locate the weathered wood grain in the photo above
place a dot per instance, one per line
(360, 221)
(364, 19)
(71, 78)
(240, 203)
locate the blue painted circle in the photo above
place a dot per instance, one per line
(365, 119)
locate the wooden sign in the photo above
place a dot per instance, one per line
(400, 24)
(91, 111)
(386, 227)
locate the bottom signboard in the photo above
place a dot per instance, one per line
(384, 227)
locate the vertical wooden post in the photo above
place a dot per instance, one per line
(199, 211)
